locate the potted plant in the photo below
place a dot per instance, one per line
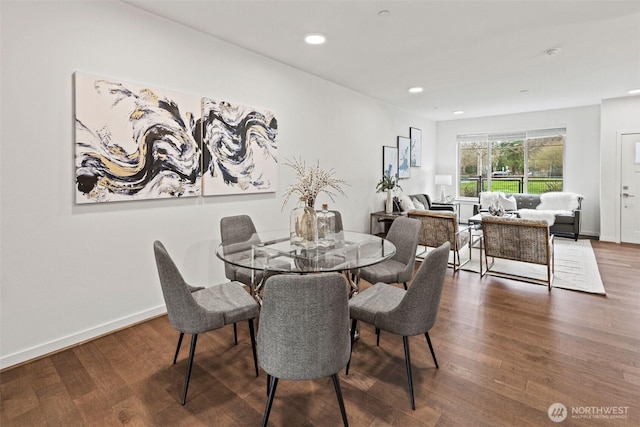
(388, 183)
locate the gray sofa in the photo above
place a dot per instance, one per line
(432, 206)
(563, 225)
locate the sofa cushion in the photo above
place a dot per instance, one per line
(406, 204)
(564, 219)
(508, 203)
(489, 197)
(559, 201)
(418, 205)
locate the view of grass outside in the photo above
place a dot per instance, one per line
(524, 162)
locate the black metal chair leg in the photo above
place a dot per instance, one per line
(377, 337)
(267, 409)
(405, 286)
(426, 334)
(336, 385)
(253, 345)
(235, 334)
(407, 358)
(178, 347)
(192, 352)
(354, 322)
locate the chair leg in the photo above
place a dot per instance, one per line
(253, 344)
(192, 352)
(267, 409)
(235, 334)
(268, 383)
(354, 322)
(405, 286)
(407, 359)
(336, 385)
(426, 334)
(377, 337)
(178, 347)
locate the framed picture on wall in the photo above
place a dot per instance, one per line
(404, 157)
(390, 161)
(415, 135)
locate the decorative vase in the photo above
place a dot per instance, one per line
(304, 226)
(389, 205)
(326, 227)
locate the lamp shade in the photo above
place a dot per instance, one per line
(443, 179)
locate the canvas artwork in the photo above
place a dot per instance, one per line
(390, 161)
(239, 149)
(134, 142)
(415, 135)
(404, 157)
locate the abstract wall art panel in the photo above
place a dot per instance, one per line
(404, 157)
(134, 142)
(390, 161)
(239, 149)
(415, 135)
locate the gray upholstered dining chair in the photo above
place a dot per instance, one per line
(407, 313)
(304, 331)
(403, 234)
(194, 311)
(238, 229)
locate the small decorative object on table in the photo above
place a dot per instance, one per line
(388, 183)
(311, 182)
(496, 210)
(326, 227)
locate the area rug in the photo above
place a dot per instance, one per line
(575, 266)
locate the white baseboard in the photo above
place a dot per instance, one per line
(82, 336)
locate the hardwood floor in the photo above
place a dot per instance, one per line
(507, 350)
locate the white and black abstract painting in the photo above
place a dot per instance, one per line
(134, 142)
(239, 149)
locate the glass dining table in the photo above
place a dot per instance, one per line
(271, 252)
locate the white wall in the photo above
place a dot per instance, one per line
(617, 115)
(68, 272)
(582, 150)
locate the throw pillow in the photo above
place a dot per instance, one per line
(508, 203)
(406, 204)
(418, 205)
(489, 197)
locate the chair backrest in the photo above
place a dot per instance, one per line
(403, 233)
(516, 239)
(185, 314)
(437, 227)
(417, 311)
(304, 326)
(235, 229)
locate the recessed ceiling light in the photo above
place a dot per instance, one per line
(458, 112)
(552, 52)
(384, 13)
(415, 89)
(315, 39)
(634, 91)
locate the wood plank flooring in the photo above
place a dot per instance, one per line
(507, 350)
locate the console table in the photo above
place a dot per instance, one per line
(383, 216)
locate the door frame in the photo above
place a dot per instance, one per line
(619, 136)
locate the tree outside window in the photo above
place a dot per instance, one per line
(522, 162)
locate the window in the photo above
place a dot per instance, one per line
(517, 162)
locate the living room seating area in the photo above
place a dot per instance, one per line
(561, 210)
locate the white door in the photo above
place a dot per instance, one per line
(630, 189)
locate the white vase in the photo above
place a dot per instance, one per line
(389, 205)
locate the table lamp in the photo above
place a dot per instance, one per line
(443, 180)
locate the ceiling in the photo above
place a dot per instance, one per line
(483, 57)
